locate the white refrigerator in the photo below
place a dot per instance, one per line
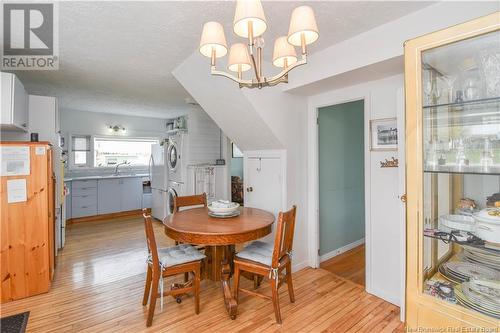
(158, 173)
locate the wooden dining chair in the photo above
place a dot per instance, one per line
(192, 201)
(169, 261)
(269, 260)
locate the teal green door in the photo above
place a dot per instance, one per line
(341, 175)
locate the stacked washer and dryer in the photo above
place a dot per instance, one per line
(174, 166)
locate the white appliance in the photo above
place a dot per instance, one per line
(175, 189)
(158, 174)
(176, 155)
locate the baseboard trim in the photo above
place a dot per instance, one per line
(341, 250)
(93, 218)
(299, 266)
(385, 296)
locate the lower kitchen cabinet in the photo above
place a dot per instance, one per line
(109, 196)
(131, 193)
(105, 196)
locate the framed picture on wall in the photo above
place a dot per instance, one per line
(236, 152)
(383, 134)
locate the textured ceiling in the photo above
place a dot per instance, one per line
(117, 57)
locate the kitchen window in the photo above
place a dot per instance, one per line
(81, 150)
(109, 152)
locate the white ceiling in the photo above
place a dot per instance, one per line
(117, 57)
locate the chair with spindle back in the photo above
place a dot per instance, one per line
(169, 261)
(270, 260)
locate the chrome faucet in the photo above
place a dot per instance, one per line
(118, 165)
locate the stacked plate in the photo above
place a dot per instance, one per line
(223, 209)
(482, 296)
(489, 258)
(457, 222)
(459, 271)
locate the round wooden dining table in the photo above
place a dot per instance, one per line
(219, 236)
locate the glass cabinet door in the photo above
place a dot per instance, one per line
(460, 93)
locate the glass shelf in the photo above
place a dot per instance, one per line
(482, 101)
(480, 244)
(467, 171)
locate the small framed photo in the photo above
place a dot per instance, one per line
(383, 134)
(236, 152)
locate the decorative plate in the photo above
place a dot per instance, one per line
(471, 270)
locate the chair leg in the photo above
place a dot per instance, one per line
(147, 287)
(289, 282)
(276, 300)
(152, 300)
(236, 278)
(197, 274)
(257, 279)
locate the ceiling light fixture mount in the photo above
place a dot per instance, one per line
(250, 23)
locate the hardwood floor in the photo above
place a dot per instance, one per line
(100, 278)
(349, 265)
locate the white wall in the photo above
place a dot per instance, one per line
(95, 123)
(285, 115)
(226, 104)
(384, 232)
(385, 42)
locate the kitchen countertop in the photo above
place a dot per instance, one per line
(68, 179)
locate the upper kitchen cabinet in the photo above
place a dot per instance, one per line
(14, 112)
(452, 86)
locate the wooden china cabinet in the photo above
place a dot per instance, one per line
(452, 84)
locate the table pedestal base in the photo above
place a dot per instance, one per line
(220, 260)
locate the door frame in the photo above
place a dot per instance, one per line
(313, 177)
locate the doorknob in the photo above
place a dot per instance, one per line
(403, 198)
(250, 189)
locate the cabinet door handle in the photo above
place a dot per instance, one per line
(250, 189)
(85, 206)
(84, 196)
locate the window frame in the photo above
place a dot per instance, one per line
(114, 138)
(91, 153)
(88, 154)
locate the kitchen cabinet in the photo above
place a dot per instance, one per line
(452, 86)
(92, 197)
(109, 194)
(14, 104)
(27, 226)
(131, 193)
(84, 198)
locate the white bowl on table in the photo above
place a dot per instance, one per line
(223, 207)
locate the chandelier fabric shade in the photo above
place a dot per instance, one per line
(213, 38)
(239, 60)
(249, 11)
(284, 53)
(303, 23)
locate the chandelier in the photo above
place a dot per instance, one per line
(250, 23)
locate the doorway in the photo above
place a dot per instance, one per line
(342, 189)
